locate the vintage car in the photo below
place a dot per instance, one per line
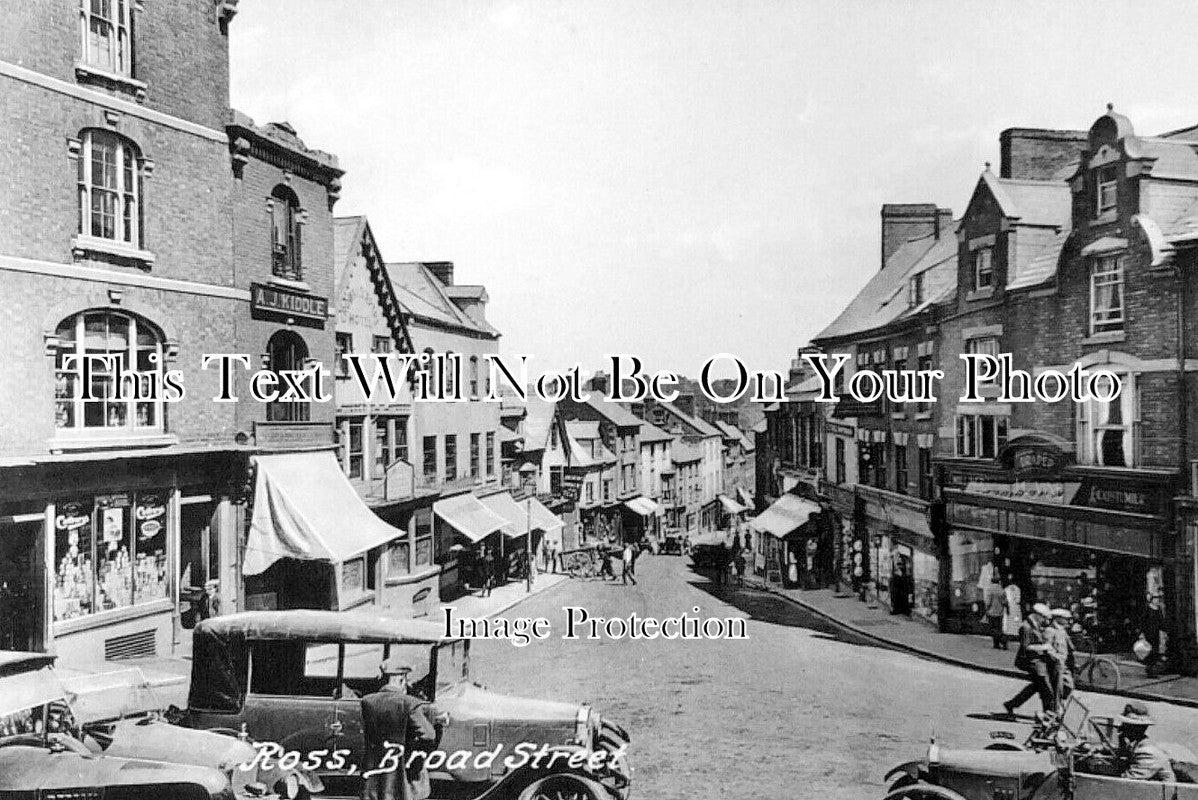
(708, 549)
(295, 678)
(43, 756)
(1068, 757)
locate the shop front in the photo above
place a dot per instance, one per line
(901, 552)
(640, 517)
(796, 548)
(1096, 541)
(474, 538)
(312, 541)
(104, 558)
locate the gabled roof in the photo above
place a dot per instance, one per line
(703, 428)
(650, 433)
(614, 413)
(729, 431)
(352, 236)
(424, 297)
(1047, 203)
(884, 298)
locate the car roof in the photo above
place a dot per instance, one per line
(337, 626)
(13, 662)
(30, 687)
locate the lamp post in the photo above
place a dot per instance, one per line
(528, 541)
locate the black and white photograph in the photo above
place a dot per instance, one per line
(574, 400)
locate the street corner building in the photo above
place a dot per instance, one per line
(149, 222)
(1079, 250)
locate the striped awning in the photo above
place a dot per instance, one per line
(787, 513)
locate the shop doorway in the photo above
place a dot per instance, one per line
(22, 590)
(199, 563)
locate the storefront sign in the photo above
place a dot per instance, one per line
(272, 301)
(150, 516)
(569, 479)
(839, 429)
(1128, 535)
(1033, 491)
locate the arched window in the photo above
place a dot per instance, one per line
(287, 351)
(285, 234)
(133, 346)
(109, 188)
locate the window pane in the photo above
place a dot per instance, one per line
(150, 580)
(74, 577)
(114, 561)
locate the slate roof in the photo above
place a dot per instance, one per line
(347, 232)
(1040, 266)
(1032, 202)
(884, 298)
(685, 453)
(423, 296)
(614, 413)
(650, 433)
(582, 430)
(701, 426)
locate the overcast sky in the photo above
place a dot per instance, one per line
(678, 179)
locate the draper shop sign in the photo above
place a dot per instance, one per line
(273, 301)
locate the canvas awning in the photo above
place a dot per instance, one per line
(642, 505)
(305, 508)
(503, 505)
(543, 518)
(787, 513)
(731, 506)
(469, 517)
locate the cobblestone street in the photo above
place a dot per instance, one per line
(798, 710)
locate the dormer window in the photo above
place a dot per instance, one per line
(1107, 184)
(917, 289)
(1106, 295)
(983, 268)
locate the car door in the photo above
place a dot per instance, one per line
(1103, 787)
(293, 696)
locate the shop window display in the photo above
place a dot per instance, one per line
(110, 553)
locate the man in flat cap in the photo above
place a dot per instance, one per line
(1063, 665)
(1141, 759)
(393, 719)
(1033, 658)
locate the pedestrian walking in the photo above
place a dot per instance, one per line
(1150, 628)
(738, 561)
(605, 570)
(1013, 619)
(488, 565)
(392, 719)
(636, 554)
(996, 610)
(1032, 658)
(629, 561)
(1063, 666)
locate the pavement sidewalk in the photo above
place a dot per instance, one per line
(874, 621)
(169, 676)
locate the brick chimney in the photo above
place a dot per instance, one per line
(686, 404)
(904, 221)
(1036, 154)
(442, 269)
(600, 382)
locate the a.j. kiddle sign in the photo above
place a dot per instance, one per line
(273, 301)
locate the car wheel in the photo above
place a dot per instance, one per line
(921, 791)
(563, 787)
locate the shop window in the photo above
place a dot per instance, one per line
(1106, 295)
(983, 268)
(1106, 189)
(474, 454)
(287, 351)
(490, 454)
(110, 553)
(430, 459)
(980, 435)
(398, 561)
(988, 346)
(109, 179)
(107, 35)
(900, 469)
(345, 344)
(1106, 431)
(126, 340)
(285, 261)
(424, 538)
(451, 457)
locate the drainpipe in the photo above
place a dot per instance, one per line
(1174, 624)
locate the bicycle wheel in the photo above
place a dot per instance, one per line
(1103, 673)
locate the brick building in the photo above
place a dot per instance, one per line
(115, 241)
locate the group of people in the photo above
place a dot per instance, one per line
(628, 555)
(732, 560)
(1046, 654)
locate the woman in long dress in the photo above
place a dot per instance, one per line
(1013, 617)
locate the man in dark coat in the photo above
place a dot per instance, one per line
(1033, 658)
(393, 724)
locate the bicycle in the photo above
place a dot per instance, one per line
(1096, 671)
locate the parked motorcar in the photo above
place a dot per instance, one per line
(295, 678)
(43, 754)
(1071, 756)
(707, 549)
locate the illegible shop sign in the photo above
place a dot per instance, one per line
(273, 302)
(1057, 492)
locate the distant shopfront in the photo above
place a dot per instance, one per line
(1091, 539)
